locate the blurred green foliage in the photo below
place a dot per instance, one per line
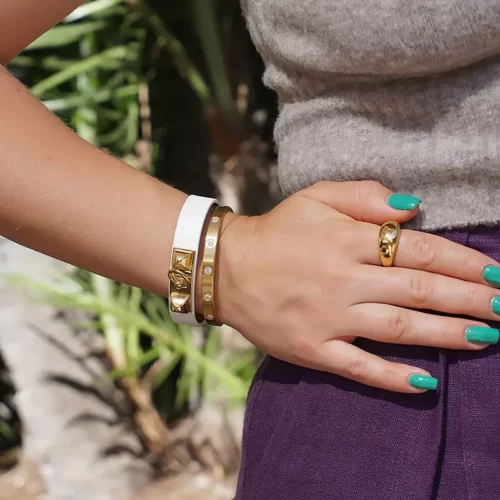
(97, 70)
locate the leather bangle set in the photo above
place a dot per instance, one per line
(196, 242)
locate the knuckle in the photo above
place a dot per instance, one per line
(371, 186)
(399, 326)
(357, 369)
(423, 250)
(332, 276)
(340, 276)
(470, 298)
(466, 261)
(420, 289)
(301, 349)
(366, 189)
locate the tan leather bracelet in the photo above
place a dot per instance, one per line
(210, 264)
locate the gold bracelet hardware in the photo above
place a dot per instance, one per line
(181, 279)
(209, 264)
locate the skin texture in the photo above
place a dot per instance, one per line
(309, 281)
(301, 282)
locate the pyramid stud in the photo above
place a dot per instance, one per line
(183, 259)
(180, 302)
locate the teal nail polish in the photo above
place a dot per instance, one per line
(423, 382)
(482, 335)
(492, 275)
(403, 201)
(495, 305)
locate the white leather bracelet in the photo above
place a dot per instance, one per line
(184, 258)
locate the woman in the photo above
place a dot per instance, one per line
(402, 93)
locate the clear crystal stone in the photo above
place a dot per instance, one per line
(207, 270)
(210, 243)
(207, 296)
(215, 220)
(210, 317)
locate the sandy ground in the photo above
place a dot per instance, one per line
(24, 483)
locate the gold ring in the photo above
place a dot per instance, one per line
(388, 241)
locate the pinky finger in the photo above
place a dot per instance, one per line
(349, 361)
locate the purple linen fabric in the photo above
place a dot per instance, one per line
(315, 436)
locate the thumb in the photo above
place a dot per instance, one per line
(365, 201)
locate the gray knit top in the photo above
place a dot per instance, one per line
(406, 92)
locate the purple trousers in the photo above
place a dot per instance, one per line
(310, 435)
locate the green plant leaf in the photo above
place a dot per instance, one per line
(6, 430)
(133, 341)
(65, 35)
(93, 62)
(172, 359)
(75, 101)
(212, 351)
(206, 24)
(96, 8)
(132, 128)
(177, 340)
(132, 369)
(166, 40)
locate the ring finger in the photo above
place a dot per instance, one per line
(422, 290)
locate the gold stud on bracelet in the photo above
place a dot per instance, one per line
(181, 278)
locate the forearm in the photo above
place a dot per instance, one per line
(22, 21)
(63, 197)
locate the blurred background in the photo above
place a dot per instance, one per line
(101, 396)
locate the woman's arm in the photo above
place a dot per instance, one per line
(66, 198)
(22, 21)
(300, 282)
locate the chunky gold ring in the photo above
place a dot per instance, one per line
(388, 241)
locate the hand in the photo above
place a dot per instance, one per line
(304, 280)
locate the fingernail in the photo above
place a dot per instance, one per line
(482, 335)
(495, 305)
(492, 275)
(423, 382)
(403, 201)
